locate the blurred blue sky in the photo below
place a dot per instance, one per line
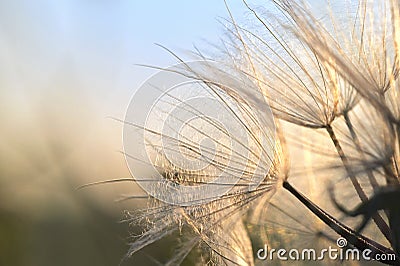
(92, 46)
(98, 42)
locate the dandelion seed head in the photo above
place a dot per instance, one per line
(215, 148)
(213, 144)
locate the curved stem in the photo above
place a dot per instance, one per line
(379, 221)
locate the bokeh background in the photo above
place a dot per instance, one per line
(65, 68)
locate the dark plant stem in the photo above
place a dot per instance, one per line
(357, 240)
(357, 143)
(346, 164)
(379, 221)
(371, 177)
